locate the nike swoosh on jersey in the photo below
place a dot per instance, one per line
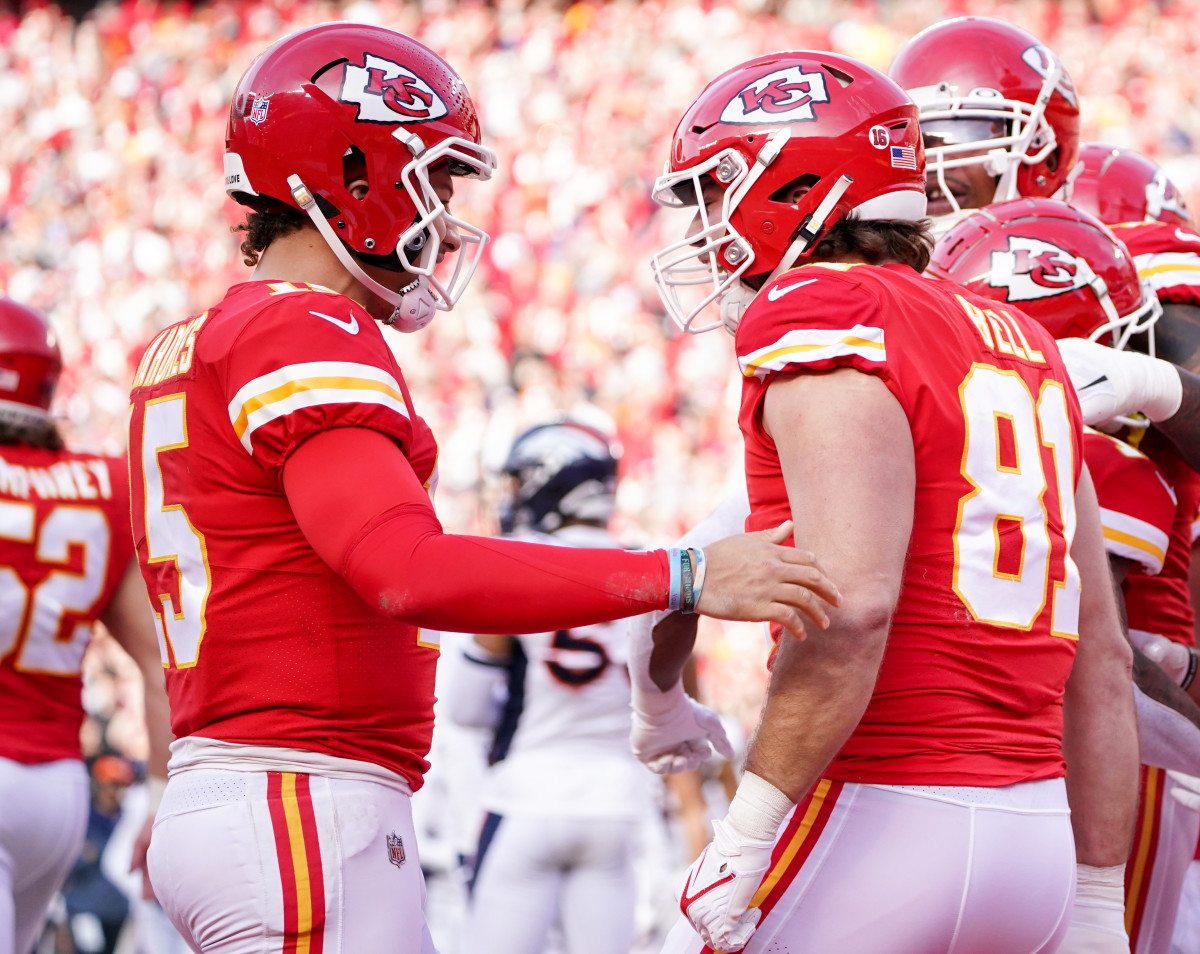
(1091, 384)
(1186, 236)
(776, 293)
(350, 326)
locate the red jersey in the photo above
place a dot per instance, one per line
(1167, 258)
(1162, 604)
(984, 632)
(1137, 506)
(64, 546)
(263, 642)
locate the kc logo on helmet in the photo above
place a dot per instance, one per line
(386, 92)
(1033, 269)
(785, 96)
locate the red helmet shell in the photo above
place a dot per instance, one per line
(30, 362)
(845, 118)
(966, 54)
(316, 96)
(1119, 185)
(1039, 255)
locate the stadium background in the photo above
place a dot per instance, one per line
(114, 222)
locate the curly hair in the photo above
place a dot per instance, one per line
(263, 226)
(876, 242)
(43, 435)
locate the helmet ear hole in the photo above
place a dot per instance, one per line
(793, 191)
(354, 173)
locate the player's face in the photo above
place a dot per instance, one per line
(442, 181)
(972, 185)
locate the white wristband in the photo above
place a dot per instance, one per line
(758, 809)
(1163, 389)
(655, 702)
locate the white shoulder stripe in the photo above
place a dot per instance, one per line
(295, 386)
(810, 345)
(1134, 539)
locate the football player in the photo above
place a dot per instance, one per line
(564, 796)
(1063, 268)
(999, 114)
(936, 462)
(66, 562)
(283, 521)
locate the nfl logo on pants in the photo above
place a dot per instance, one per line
(395, 849)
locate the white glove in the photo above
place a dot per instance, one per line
(1114, 384)
(1186, 790)
(722, 882)
(720, 885)
(1098, 917)
(673, 732)
(1176, 660)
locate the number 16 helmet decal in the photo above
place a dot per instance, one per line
(771, 153)
(344, 101)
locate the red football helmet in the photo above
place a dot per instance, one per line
(787, 144)
(1119, 185)
(990, 94)
(30, 364)
(1060, 266)
(345, 101)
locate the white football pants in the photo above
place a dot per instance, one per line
(536, 871)
(286, 863)
(874, 869)
(1163, 847)
(43, 818)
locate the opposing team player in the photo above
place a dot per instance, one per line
(999, 113)
(1070, 273)
(66, 561)
(564, 796)
(909, 761)
(284, 526)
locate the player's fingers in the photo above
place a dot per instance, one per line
(789, 618)
(802, 568)
(803, 599)
(778, 535)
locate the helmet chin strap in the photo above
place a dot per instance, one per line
(737, 299)
(413, 306)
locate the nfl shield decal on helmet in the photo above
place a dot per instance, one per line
(258, 112)
(1031, 268)
(395, 849)
(386, 92)
(785, 96)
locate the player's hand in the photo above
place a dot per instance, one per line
(720, 886)
(1114, 384)
(752, 577)
(1097, 924)
(673, 732)
(1175, 659)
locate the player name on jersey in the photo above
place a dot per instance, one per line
(65, 480)
(1000, 333)
(169, 354)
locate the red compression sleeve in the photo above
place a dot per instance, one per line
(363, 510)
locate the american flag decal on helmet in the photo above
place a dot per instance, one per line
(395, 849)
(904, 157)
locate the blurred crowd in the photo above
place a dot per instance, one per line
(114, 222)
